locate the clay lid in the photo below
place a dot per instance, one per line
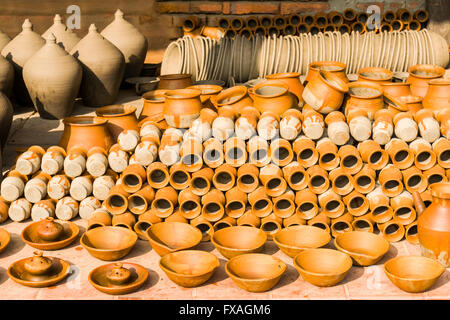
(118, 275)
(440, 190)
(49, 230)
(38, 264)
(426, 71)
(27, 25)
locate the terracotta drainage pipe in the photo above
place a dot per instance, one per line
(296, 176)
(204, 226)
(320, 221)
(117, 200)
(341, 224)
(397, 25)
(357, 204)
(341, 181)
(385, 26)
(260, 202)
(331, 204)
(328, 154)
(308, 19)
(358, 27)
(389, 16)
(157, 175)
(414, 180)
(335, 18)
(271, 225)
(237, 23)
(272, 179)
(411, 233)
(306, 151)
(404, 212)
(247, 178)
(190, 24)
(260, 31)
(372, 154)
(306, 202)
(401, 155)
(265, 21)
(224, 177)
(224, 23)
(392, 231)
(252, 23)
(165, 201)
(213, 205)
(281, 152)
(213, 152)
(421, 15)
(249, 219)
(235, 152)
(190, 206)
(363, 223)
(302, 28)
(179, 176)
(235, 202)
(364, 180)
(224, 223)
(145, 221)
(201, 181)
(293, 220)
(283, 206)
(390, 179)
(295, 19)
(140, 201)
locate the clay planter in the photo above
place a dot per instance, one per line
(236, 97)
(337, 68)
(39, 271)
(437, 97)
(182, 107)
(323, 267)
(372, 74)
(153, 105)
(255, 272)
(189, 268)
(365, 248)
(396, 89)
(119, 118)
(65, 37)
(325, 93)
(365, 95)
(295, 239)
(420, 75)
(167, 237)
(292, 79)
(109, 243)
(85, 132)
(5, 238)
(174, 81)
(239, 240)
(413, 273)
(129, 41)
(118, 278)
(102, 71)
(272, 95)
(48, 234)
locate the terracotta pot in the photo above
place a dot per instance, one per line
(428, 126)
(337, 129)
(205, 227)
(392, 231)
(145, 221)
(249, 219)
(246, 124)
(359, 123)
(182, 107)
(169, 149)
(441, 148)
(365, 95)
(260, 202)
(268, 125)
(88, 206)
(272, 95)
(374, 74)
(434, 175)
(437, 96)
(58, 187)
(190, 206)
(102, 72)
(99, 218)
(291, 124)
(292, 79)
(165, 201)
(213, 205)
(124, 220)
(306, 151)
(356, 203)
(36, 188)
(306, 202)
(321, 221)
(235, 152)
(396, 89)
(174, 81)
(247, 178)
(420, 75)
(65, 37)
(328, 158)
(207, 92)
(153, 105)
(117, 158)
(272, 179)
(283, 206)
(295, 239)
(331, 204)
(236, 97)
(401, 156)
(133, 177)
(238, 240)
(318, 179)
(19, 210)
(390, 179)
(224, 177)
(364, 180)
(296, 176)
(201, 181)
(341, 181)
(410, 103)
(402, 205)
(117, 200)
(424, 157)
(29, 162)
(235, 202)
(213, 152)
(6, 76)
(67, 208)
(380, 210)
(224, 223)
(258, 151)
(383, 126)
(271, 225)
(140, 201)
(411, 234)
(281, 152)
(406, 128)
(337, 68)
(372, 154)
(120, 117)
(341, 224)
(17, 52)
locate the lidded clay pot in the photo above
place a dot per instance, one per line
(420, 75)
(6, 76)
(38, 264)
(129, 41)
(118, 275)
(174, 81)
(437, 97)
(182, 107)
(49, 230)
(65, 37)
(18, 51)
(272, 95)
(103, 68)
(53, 93)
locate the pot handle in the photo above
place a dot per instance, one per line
(418, 203)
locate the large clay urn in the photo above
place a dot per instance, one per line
(4, 39)
(6, 76)
(433, 225)
(6, 116)
(103, 67)
(130, 42)
(18, 51)
(53, 93)
(438, 95)
(420, 75)
(65, 37)
(272, 95)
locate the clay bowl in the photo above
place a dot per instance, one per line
(189, 268)
(238, 240)
(101, 280)
(30, 235)
(167, 237)
(323, 267)
(413, 273)
(5, 238)
(58, 270)
(295, 239)
(255, 272)
(365, 248)
(109, 243)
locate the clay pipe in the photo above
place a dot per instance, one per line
(349, 15)
(308, 19)
(157, 175)
(386, 27)
(252, 23)
(397, 25)
(414, 25)
(320, 19)
(279, 22)
(302, 28)
(344, 28)
(335, 18)
(237, 23)
(245, 33)
(358, 27)
(389, 16)
(261, 31)
(190, 24)
(265, 21)
(295, 19)
(224, 23)
(404, 15)
(289, 30)
(421, 15)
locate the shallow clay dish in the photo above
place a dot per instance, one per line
(295, 239)
(323, 267)
(413, 273)
(189, 268)
(109, 243)
(118, 278)
(167, 237)
(5, 238)
(238, 240)
(31, 235)
(38, 271)
(364, 247)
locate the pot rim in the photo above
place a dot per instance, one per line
(216, 89)
(414, 257)
(365, 84)
(393, 84)
(270, 83)
(147, 96)
(126, 110)
(299, 228)
(360, 254)
(181, 94)
(375, 69)
(440, 190)
(440, 82)
(75, 121)
(283, 75)
(175, 76)
(335, 273)
(127, 246)
(439, 71)
(239, 89)
(343, 87)
(317, 64)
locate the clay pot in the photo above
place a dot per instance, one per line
(402, 205)
(383, 127)
(401, 156)
(306, 151)
(236, 97)
(328, 158)
(235, 152)
(337, 129)
(335, 67)
(120, 117)
(258, 151)
(224, 177)
(247, 178)
(190, 206)
(272, 179)
(396, 89)
(413, 273)
(392, 231)
(206, 228)
(420, 75)
(5, 238)
(331, 204)
(124, 220)
(414, 180)
(296, 176)
(6, 115)
(281, 152)
(17, 52)
(117, 200)
(99, 218)
(179, 178)
(268, 125)
(323, 267)
(133, 177)
(153, 105)
(189, 268)
(411, 234)
(165, 202)
(145, 221)
(260, 202)
(364, 180)
(129, 41)
(238, 240)
(373, 74)
(213, 153)
(207, 92)
(85, 132)
(390, 179)
(357, 204)
(213, 205)
(225, 223)
(235, 202)
(29, 162)
(140, 201)
(341, 224)
(428, 126)
(437, 97)
(365, 95)
(6, 76)
(271, 224)
(372, 153)
(441, 148)
(182, 107)
(291, 124)
(102, 72)
(341, 181)
(306, 201)
(283, 206)
(167, 237)
(295, 239)
(38, 265)
(174, 81)
(292, 79)
(65, 37)
(318, 179)
(406, 128)
(435, 174)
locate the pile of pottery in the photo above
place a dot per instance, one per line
(244, 58)
(53, 70)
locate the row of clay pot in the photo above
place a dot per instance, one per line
(119, 52)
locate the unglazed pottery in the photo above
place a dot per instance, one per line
(53, 94)
(323, 267)
(238, 240)
(50, 234)
(38, 271)
(437, 97)
(5, 238)
(364, 247)
(189, 268)
(413, 273)
(6, 116)
(129, 41)
(236, 97)
(365, 95)
(4, 39)
(337, 68)
(108, 243)
(118, 278)
(103, 68)
(65, 37)
(420, 75)
(294, 239)
(273, 96)
(372, 74)
(292, 79)
(174, 81)
(6, 76)
(120, 117)
(182, 107)
(255, 272)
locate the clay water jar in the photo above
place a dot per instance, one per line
(375, 74)
(437, 97)
(182, 107)
(396, 89)
(5, 238)
(323, 267)
(207, 92)
(153, 105)
(236, 97)
(85, 132)
(413, 273)
(365, 95)
(292, 79)
(109, 243)
(420, 75)
(295, 239)
(365, 248)
(120, 117)
(238, 240)
(174, 81)
(433, 224)
(189, 268)
(50, 234)
(335, 67)
(118, 278)
(255, 272)
(38, 271)
(167, 237)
